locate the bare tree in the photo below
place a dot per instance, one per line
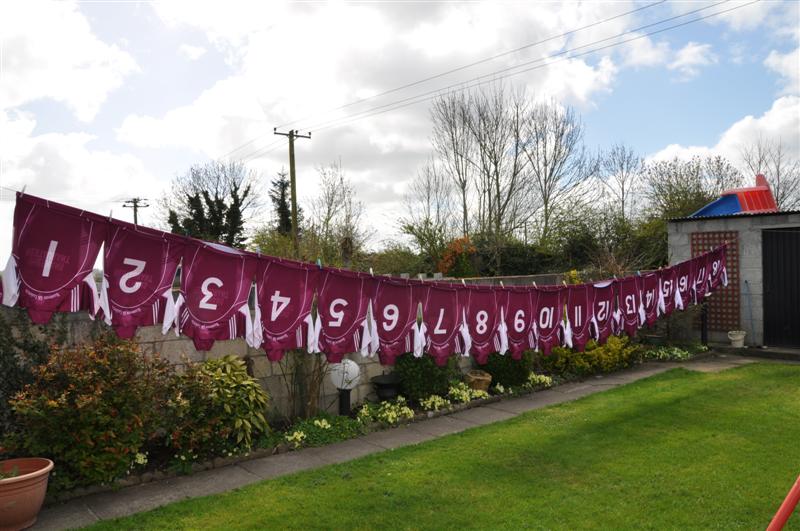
(769, 158)
(454, 143)
(620, 172)
(558, 161)
(430, 218)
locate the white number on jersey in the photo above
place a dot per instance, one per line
(482, 317)
(578, 321)
(210, 281)
(630, 304)
(683, 282)
(602, 309)
(138, 267)
(338, 315)
(48, 261)
(279, 304)
(392, 314)
(438, 330)
(546, 317)
(519, 321)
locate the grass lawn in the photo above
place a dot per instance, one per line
(678, 450)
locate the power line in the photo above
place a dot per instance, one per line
(135, 203)
(481, 61)
(493, 76)
(448, 72)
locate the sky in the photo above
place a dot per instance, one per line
(104, 101)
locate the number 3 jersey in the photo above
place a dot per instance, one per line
(215, 285)
(285, 291)
(139, 267)
(53, 251)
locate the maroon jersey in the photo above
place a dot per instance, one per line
(630, 305)
(668, 286)
(139, 267)
(395, 313)
(284, 293)
(684, 273)
(549, 318)
(342, 308)
(442, 318)
(648, 288)
(215, 285)
(520, 315)
(482, 318)
(700, 267)
(718, 274)
(577, 327)
(603, 310)
(53, 251)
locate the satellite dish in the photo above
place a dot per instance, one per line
(345, 375)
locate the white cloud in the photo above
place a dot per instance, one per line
(689, 59)
(193, 53)
(49, 51)
(780, 122)
(786, 65)
(644, 52)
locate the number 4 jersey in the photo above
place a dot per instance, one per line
(53, 251)
(138, 270)
(215, 285)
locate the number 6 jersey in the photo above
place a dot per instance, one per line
(138, 269)
(215, 285)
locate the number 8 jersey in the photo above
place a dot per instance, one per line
(215, 285)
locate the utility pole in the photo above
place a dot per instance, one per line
(292, 134)
(135, 203)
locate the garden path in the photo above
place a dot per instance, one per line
(83, 511)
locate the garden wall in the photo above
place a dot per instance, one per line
(80, 329)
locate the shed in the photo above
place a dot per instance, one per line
(763, 292)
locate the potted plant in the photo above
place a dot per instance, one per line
(23, 483)
(737, 338)
(387, 386)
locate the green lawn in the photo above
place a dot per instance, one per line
(679, 450)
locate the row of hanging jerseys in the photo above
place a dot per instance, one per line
(227, 293)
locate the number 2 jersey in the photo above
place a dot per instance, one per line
(215, 285)
(139, 267)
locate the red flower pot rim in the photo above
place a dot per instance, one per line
(47, 466)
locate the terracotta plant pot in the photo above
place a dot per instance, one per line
(21, 496)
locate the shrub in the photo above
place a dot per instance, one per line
(617, 353)
(460, 392)
(91, 409)
(538, 381)
(434, 403)
(507, 371)
(421, 377)
(324, 429)
(668, 353)
(216, 409)
(386, 412)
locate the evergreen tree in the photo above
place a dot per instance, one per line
(280, 195)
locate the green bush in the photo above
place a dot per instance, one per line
(617, 353)
(326, 429)
(507, 371)
(421, 377)
(91, 409)
(216, 409)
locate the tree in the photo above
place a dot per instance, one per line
(280, 195)
(211, 202)
(769, 158)
(620, 172)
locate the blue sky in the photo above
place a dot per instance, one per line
(106, 100)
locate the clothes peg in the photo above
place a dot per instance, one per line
(501, 284)
(24, 186)
(564, 282)
(370, 272)
(463, 282)
(110, 212)
(319, 263)
(534, 284)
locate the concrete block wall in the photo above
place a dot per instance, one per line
(751, 280)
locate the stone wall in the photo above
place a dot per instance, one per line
(751, 283)
(80, 329)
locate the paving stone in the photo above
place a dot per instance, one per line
(282, 464)
(396, 437)
(134, 499)
(215, 481)
(517, 405)
(441, 426)
(345, 451)
(65, 516)
(483, 415)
